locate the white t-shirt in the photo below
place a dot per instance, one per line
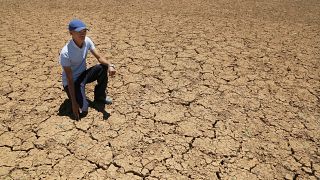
(73, 56)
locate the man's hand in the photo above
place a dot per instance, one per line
(75, 110)
(112, 70)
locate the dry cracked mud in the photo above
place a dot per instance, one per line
(206, 89)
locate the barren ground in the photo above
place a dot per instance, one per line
(206, 89)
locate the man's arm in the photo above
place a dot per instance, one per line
(103, 61)
(75, 106)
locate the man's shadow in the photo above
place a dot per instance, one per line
(65, 109)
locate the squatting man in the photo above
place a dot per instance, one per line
(75, 74)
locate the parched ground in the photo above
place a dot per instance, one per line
(206, 89)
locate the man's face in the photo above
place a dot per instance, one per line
(79, 36)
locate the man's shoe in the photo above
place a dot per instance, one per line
(107, 100)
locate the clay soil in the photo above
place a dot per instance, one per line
(205, 89)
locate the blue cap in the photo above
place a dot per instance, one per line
(77, 25)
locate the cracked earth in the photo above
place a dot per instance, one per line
(204, 90)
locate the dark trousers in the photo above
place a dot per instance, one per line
(98, 73)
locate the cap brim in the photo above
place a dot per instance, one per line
(80, 29)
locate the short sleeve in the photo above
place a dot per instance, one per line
(64, 60)
(90, 43)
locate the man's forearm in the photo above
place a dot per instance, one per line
(103, 61)
(72, 91)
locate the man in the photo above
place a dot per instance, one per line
(75, 74)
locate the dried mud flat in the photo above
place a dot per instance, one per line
(205, 90)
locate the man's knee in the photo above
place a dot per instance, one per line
(103, 69)
(104, 66)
